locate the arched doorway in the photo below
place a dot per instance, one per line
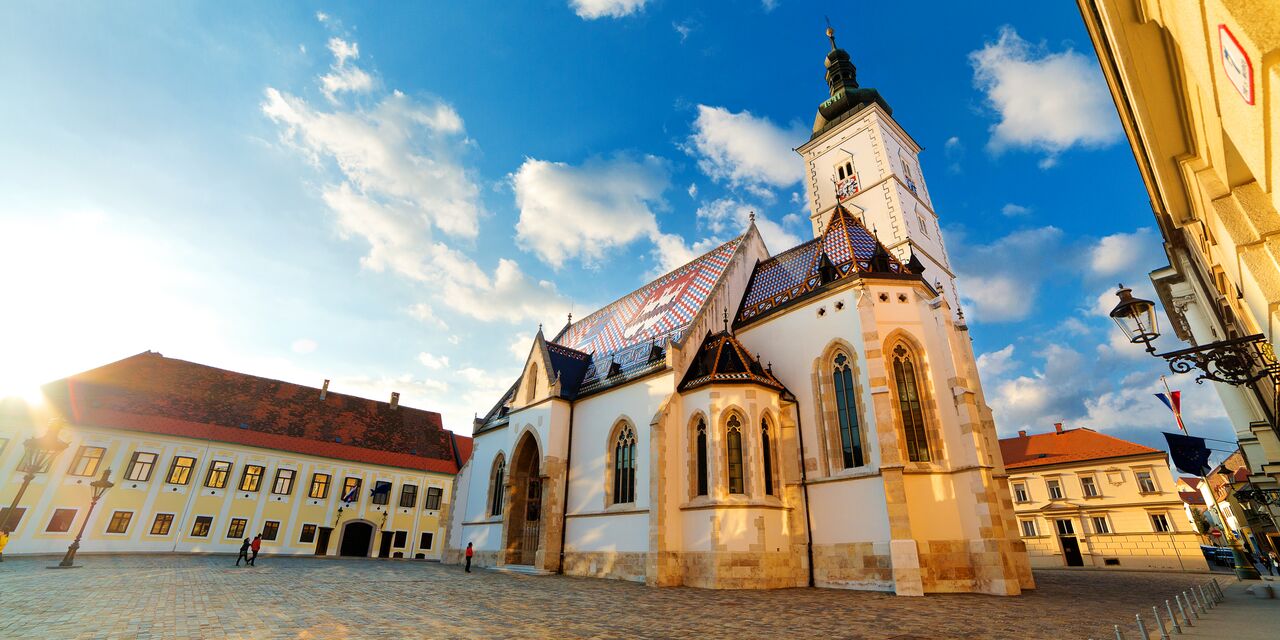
(356, 538)
(524, 516)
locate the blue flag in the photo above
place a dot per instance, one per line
(380, 487)
(1189, 453)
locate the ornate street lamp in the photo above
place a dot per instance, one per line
(38, 454)
(100, 487)
(1136, 318)
(1237, 361)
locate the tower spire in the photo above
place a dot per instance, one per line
(831, 33)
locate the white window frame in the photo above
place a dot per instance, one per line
(1163, 517)
(1054, 485)
(1091, 482)
(1020, 493)
(1029, 528)
(1106, 524)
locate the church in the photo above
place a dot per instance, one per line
(758, 420)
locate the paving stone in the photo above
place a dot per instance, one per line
(313, 598)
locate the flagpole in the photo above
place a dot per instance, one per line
(1237, 547)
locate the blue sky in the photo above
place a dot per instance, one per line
(395, 195)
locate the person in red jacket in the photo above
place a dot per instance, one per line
(470, 552)
(256, 546)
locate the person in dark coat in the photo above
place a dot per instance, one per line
(244, 553)
(470, 552)
(256, 546)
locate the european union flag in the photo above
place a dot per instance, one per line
(1189, 453)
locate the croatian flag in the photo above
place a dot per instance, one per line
(352, 495)
(1173, 400)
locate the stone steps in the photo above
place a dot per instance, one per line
(523, 569)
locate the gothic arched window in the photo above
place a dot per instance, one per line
(498, 490)
(701, 457)
(733, 447)
(533, 383)
(766, 451)
(624, 466)
(910, 409)
(847, 413)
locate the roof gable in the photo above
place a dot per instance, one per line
(844, 249)
(721, 359)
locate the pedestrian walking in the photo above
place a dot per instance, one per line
(470, 552)
(256, 546)
(244, 553)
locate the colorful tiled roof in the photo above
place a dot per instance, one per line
(723, 360)
(151, 393)
(1069, 445)
(623, 337)
(1191, 497)
(844, 248)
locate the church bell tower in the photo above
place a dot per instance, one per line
(859, 156)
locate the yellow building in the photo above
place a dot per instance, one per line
(1196, 86)
(203, 458)
(1086, 499)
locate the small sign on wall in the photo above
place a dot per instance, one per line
(1235, 63)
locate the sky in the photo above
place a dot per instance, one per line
(395, 195)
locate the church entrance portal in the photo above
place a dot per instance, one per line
(356, 537)
(524, 525)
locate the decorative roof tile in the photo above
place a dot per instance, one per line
(151, 393)
(721, 359)
(844, 248)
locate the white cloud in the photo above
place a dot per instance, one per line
(727, 217)
(744, 150)
(996, 363)
(993, 280)
(423, 313)
(1047, 102)
(303, 346)
(322, 16)
(402, 181)
(343, 76)
(1123, 252)
(595, 9)
(692, 190)
(769, 5)
(520, 345)
(1012, 210)
(432, 361)
(684, 28)
(588, 210)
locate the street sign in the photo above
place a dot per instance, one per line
(1235, 63)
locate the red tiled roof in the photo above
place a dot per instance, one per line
(1194, 483)
(1071, 445)
(1191, 497)
(151, 393)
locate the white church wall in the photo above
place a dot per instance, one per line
(849, 511)
(616, 532)
(594, 418)
(794, 339)
(485, 448)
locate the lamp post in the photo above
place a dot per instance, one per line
(1243, 568)
(100, 487)
(38, 453)
(1237, 362)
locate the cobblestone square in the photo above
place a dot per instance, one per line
(207, 597)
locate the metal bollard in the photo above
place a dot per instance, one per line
(1119, 636)
(1183, 612)
(1205, 597)
(1199, 605)
(1142, 629)
(1164, 635)
(1217, 587)
(1190, 607)
(1176, 627)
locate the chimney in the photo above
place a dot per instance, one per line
(1022, 433)
(1057, 427)
(324, 390)
(395, 400)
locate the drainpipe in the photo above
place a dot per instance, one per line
(564, 511)
(804, 487)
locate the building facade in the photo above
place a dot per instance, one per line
(203, 458)
(1190, 82)
(1086, 499)
(1243, 520)
(764, 420)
